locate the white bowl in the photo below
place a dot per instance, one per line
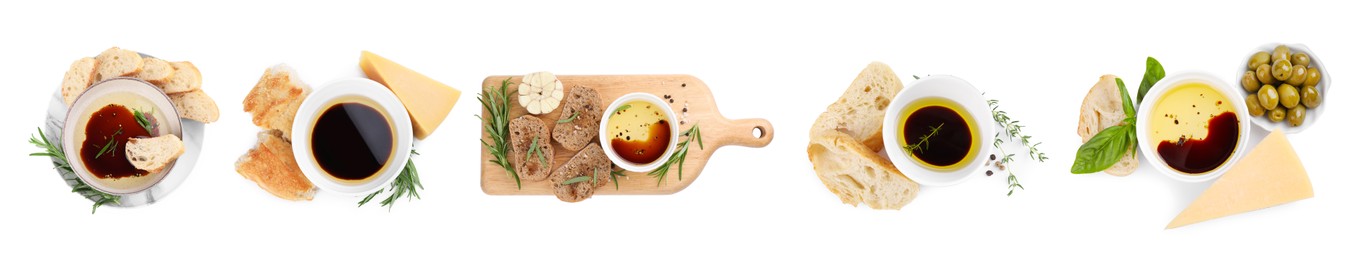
(100, 95)
(1311, 113)
(966, 97)
(323, 98)
(1148, 106)
(673, 130)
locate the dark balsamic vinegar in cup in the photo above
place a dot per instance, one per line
(352, 141)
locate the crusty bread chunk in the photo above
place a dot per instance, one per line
(272, 166)
(153, 153)
(583, 103)
(117, 62)
(530, 132)
(185, 78)
(81, 74)
(590, 161)
(1103, 108)
(276, 98)
(157, 72)
(195, 105)
(856, 174)
(860, 111)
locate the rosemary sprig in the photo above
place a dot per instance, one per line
(144, 121)
(1012, 128)
(573, 117)
(534, 149)
(111, 145)
(407, 183)
(613, 175)
(680, 153)
(576, 179)
(620, 109)
(923, 143)
(497, 125)
(58, 156)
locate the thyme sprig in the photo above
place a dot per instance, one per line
(58, 156)
(923, 142)
(1012, 129)
(680, 154)
(496, 123)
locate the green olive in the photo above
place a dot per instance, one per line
(1282, 70)
(1264, 73)
(1259, 58)
(1301, 59)
(1312, 77)
(1289, 96)
(1298, 76)
(1252, 103)
(1277, 114)
(1310, 96)
(1296, 115)
(1249, 82)
(1268, 97)
(1282, 53)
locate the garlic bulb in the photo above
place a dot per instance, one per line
(540, 92)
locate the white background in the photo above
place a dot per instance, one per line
(780, 61)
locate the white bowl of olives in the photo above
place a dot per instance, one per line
(1285, 86)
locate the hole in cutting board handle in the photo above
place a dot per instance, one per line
(757, 132)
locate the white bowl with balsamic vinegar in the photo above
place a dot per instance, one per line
(352, 136)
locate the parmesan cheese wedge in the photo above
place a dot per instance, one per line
(427, 101)
(1270, 175)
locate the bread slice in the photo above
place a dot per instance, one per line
(860, 111)
(117, 62)
(195, 105)
(272, 166)
(857, 174)
(1103, 108)
(276, 98)
(526, 132)
(583, 103)
(153, 153)
(590, 161)
(156, 71)
(185, 78)
(78, 78)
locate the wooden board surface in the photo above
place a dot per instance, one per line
(686, 91)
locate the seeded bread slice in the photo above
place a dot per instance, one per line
(858, 175)
(590, 161)
(530, 132)
(156, 71)
(117, 62)
(81, 74)
(195, 105)
(185, 78)
(276, 98)
(273, 167)
(860, 111)
(583, 102)
(152, 154)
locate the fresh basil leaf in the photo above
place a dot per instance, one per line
(1154, 74)
(1128, 109)
(1102, 151)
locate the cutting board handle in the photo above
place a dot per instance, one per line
(754, 133)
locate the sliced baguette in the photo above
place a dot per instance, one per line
(117, 62)
(195, 105)
(273, 167)
(583, 102)
(185, 78)
(530, 132)
(590, 161)
(275, 99)
(857, 174)
(78, 78)
(860, 111)
(157, 72)
(1103, 108)
(152, 154)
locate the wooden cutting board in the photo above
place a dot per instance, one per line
(686, 91)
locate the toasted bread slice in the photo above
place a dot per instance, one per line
(1103, 108)
(185, 78)
(530, 132)
(276, 98)
(153, 153)
(583, 108)
(78, 78)
(117, 62)
(157, 72)
(195, 105)
(272, 166)
(860, 111)
(590, 161)
(857, 174)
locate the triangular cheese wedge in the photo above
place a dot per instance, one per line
(427, 101)
(1270, 175)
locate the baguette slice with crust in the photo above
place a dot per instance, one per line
(117, 62)
(856, 174)
(82, 73)
(185, 78)
(195, 105)
(153, 153)
(276, 98)
(1103, 108)
(157, 72)
(272, 166)
(860, 111)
